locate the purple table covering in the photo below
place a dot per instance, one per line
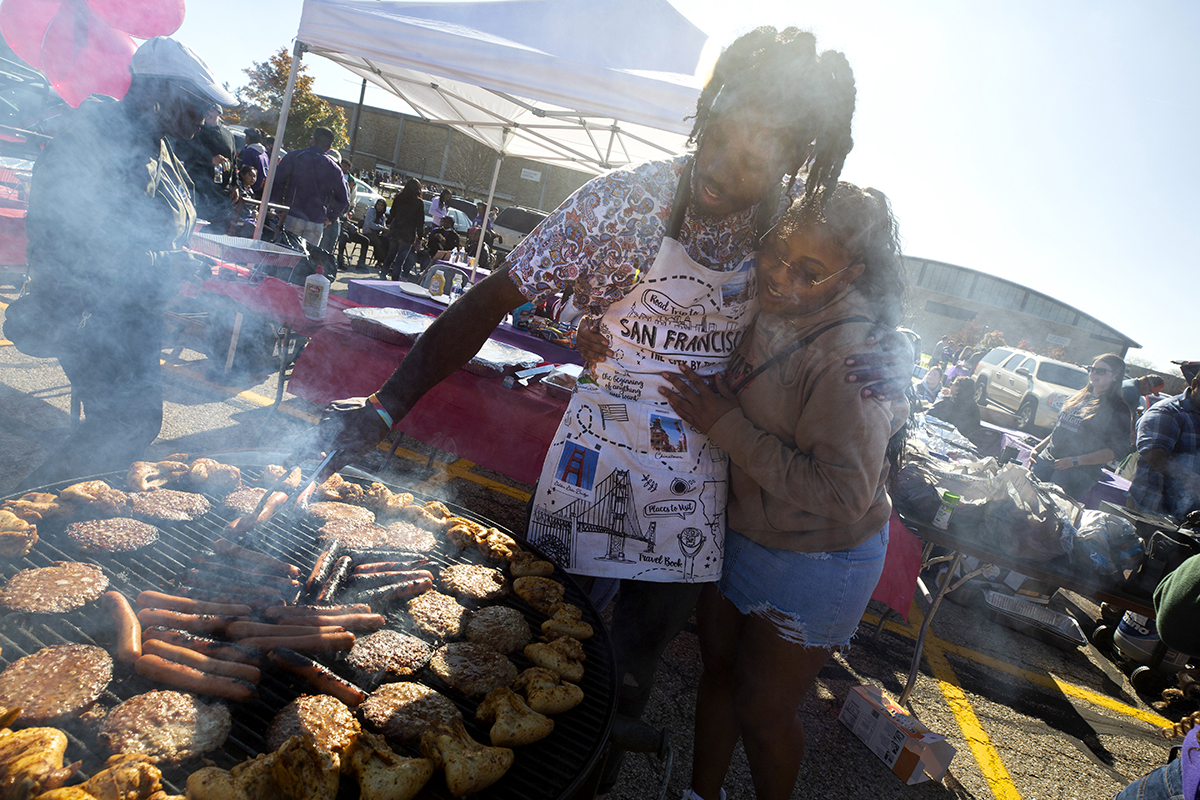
(387, 294)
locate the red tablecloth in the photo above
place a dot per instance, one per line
(505, 430)
(12, 236)
(900, 569)
(278, 300)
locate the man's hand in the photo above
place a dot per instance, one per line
(590, 343)
(695, 402)
(351, 426)
(1064, 463)
(884, 374)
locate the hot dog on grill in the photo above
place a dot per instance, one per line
(313, 643)
(129, 629)
(189, 679)
(337, 577)
(373, 580)
(317, 675)
(386, 595)
(190, 605)
(201, 662)
(274, 612)
(228, 548)
(209, 647)
(323, 566)
(245, 629)
(236, 598)
(214, 574)
(210, 583)
(351, 622)
(246, 522)
(368, 567)
(194, 623)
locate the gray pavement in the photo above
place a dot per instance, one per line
(1028, 720)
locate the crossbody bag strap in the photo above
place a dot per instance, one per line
(791, 348)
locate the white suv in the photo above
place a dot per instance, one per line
(1031, 386)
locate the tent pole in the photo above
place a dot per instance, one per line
(486, 216)
(264, 207)
(357, 113)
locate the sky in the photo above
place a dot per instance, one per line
(1052, 144)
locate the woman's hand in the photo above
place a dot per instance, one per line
(887, 373)
(1064, 463)
(695, 402)
(590, 343)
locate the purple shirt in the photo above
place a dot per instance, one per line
(255, 155)
(311, 184)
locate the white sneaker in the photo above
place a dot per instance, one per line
(688, 794)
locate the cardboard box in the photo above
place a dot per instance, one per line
(913, 752)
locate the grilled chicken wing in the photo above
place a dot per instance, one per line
(513, 723)
(545, 692)
(470, 767)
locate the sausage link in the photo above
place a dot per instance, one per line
(371, 567)
(226, 547)
(201, 662)
(237, 598)
(226, 651)
(245, 522)
(317, 675)
(373, 580)
(193, 623)
(337, 577)
(189, 605)
(274, 612)
(313, 643)
(386, 595)
(326, 560)
(350, 622)
(129, 628)
(246, 629)
(229, 577)
(159, 669)
(211, 583)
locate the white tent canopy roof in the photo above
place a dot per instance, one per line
(585, 84)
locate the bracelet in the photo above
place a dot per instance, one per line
(383, 412)
(1075, 461)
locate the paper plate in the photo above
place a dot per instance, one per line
(415, 289)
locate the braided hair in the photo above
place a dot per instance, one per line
(812, 96)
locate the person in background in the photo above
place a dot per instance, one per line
(255, 154)
(1167, 480)
(439, 207)
(936, 355)
(375, 229)
(961, 367)
(441, 240)
(332, 234)
(311, 184)
(1134, 389)
(244, 213)
(406, 222)
(1093, 428)
(961, 411)
(929, 390)
(208, 156)
(808, 507)
(106, 254)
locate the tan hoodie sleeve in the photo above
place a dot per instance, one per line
(833, 468)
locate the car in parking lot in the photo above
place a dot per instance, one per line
(462, 223)
(365, 197)
(514, 224)
(1031, 386)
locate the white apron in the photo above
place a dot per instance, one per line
(628, 490)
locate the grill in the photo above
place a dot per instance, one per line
(555, 767)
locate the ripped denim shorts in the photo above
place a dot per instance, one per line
(814, 599)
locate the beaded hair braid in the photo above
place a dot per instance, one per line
(811, 94)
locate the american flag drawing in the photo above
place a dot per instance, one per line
(616, 412)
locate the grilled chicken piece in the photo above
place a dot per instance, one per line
(564, 656)
(17, 537)
(543, 594)
(214, 783)
(66, 793)
(513, 723)
(496, 545)
(384, 775)
(273, 472)
(525, 564)
(545, 692)
(31, 762)
(337, 488)
(470, 767)
(213, 477)
(298, 770)
(94, 500)
(567, 620)
(125, 777)
(35, 507)
(144, 476)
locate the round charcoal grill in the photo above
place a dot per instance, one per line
(555, 767)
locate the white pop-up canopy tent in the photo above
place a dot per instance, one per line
(586, 84)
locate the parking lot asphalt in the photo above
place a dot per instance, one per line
(1028, 720)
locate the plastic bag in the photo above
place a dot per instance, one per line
(1109, 543)
(1025, 518)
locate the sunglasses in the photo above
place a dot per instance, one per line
(799, 271)
(1100, 370)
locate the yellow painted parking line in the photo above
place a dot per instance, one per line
(986, 755)
(462, 469)
(4, 342)
(1041, 679)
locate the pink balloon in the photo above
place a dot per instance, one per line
(23, 25)
(83, 55)
(144, 19)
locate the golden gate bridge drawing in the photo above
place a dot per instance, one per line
(612, 512)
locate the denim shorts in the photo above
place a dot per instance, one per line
(813, 599)
(1164, 783)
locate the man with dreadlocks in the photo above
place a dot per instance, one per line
(662, 254)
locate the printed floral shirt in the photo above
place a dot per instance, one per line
(603, 237)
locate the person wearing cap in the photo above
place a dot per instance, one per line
(255, 155)
(110, 210)
(1134, 389)
(1168, 444)
(310, 183)
(208, 158)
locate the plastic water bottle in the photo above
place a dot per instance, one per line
(218, 174)
(316, 295)
(456, 288)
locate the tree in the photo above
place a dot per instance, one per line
(261, 100)
(992, 339)
(470, 164)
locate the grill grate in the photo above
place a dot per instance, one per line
(553, 767)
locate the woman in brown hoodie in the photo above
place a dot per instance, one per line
(808, 508)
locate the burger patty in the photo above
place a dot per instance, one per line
(55, 684)
(325, 719)
(474, 582)
(501, 628)
(329, 510)
(404, 535)
(437, 614)
(116, 535)
(353, 534)
(64, 586)
(243, 501)
(403, 711)
(473, 669)
(169, 505)
(388, 653)
(166, 726)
